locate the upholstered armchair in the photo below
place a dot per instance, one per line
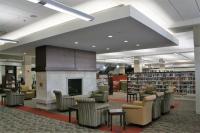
(139, 112)
(13, 98)
(156, 108)
(166, 102)
(100, 96)
(123, 86)
(28, 93)
(90, 113)
(63, 102)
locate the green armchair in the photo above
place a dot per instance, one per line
(13, 98)
(63, 102)
(90, 113)
(100, 96)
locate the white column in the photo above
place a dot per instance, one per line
(162, 64)
(27, 74)
(122, 69)
(137, 64)
(196, 30)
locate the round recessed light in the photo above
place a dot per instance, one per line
(25, 53)
(93, 46)
(107, 48)
(125, 41)
(117, 66)
(33, 16)
(110, 36)
(75, 42)
(137, 45)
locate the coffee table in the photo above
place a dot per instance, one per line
(118, 112)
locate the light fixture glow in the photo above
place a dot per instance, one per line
(126, 41)
(4, 41)
(137, 45)
(117, 66)
(93, 46)
(65, 9)
(34, 1)
(107, 48)
(75, 42)
(110, 36)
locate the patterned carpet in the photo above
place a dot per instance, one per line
(180, 120)
(16, 121)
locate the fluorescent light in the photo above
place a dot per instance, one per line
(34, 1)
(75, 42)
(3, 41)
(110, 36)
(117, 66)
(137, 45)
(93, 46)
(125, 41)
(65, 9)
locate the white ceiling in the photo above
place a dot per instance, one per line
(15, 14)
(167, 13)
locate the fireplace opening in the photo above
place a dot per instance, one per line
(74, 87)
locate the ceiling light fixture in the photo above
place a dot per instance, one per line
(125, 41)
(110, 36)
(75, 42)
(3, 41)
(63, 8)
(107, 48)
(137, 45)
(34, 1)
(93, 46)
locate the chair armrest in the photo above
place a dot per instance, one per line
(138, 103)
(103, 106)
(128, 106)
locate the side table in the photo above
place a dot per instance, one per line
(3, 97)
(119, 112)
(71, 109)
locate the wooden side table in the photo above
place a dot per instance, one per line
(3, 97)
(118, 112)
(130, 95)
(71, 109)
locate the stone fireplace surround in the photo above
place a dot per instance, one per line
(55, 65)
(57, 80)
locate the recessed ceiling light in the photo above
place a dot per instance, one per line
(25, 53)
(110, 36)
(117, 66)
(137, 45)
(107, 48)
(126, 41)
(75, 42)
(33, 16)
(93, 46)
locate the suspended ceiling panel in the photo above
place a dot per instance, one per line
(124, 23)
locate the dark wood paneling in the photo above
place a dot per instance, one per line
(85, 60)
(53, 58)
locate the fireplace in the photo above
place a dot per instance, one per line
(74, 87)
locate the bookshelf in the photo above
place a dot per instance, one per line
(10, 78)
(183, 81)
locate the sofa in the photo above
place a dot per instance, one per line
(139, 112)
(13, 98)
(90, 113)
(63, 102)
(28, 93)
(100, 96)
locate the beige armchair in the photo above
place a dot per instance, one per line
(139, 112)
(28, 93)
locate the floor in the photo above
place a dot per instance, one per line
(181, 119)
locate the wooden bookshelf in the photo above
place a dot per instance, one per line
(183, 81)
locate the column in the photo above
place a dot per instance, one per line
(137, 64)
(162, 64)
(121, 69)
(27, 74)
(196, 30)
